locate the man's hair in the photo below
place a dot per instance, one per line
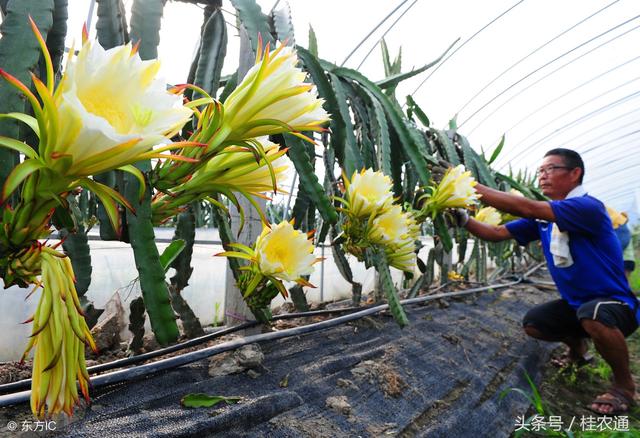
(571, 159)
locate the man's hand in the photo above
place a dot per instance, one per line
(460, 217)
(438, 170)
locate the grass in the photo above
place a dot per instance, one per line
(634, 280)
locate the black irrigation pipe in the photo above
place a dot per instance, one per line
(134, 373)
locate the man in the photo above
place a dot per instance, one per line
(585, 261)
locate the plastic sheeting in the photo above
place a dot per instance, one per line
(440, 376)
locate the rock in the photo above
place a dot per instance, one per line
(339, 404)
(253, 374)
(346, 383)
(106, 332)
(149, 342)
(223, 365)
(249, 356)
(286, 307)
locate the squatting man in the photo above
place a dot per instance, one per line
(585, 261)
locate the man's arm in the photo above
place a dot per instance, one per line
(516, 205)
(488, 232)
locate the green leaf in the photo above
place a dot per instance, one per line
(384, 140)
(386, 61)
(394, 80)
(19, 55)
(200, 400)
(453, 123)
(111, 26)
(18, 175)
(105, 194)
(309, 179)
(231, 85)
(133, 170)
(352, 159)
(283, 24)
(171, 252)
(18, 146)
(254, 21)
(146, 19)
(441, 230)
(448, 148)
(213, 50)
(416, 153)
(226, 236)
(341, 261)
(485, 173)
(30, 121)
(153, 284)
(55, 37)
(313, 42)
(413, 106)
(318, 76)
(497, 150)
(386, 282)
(361, 111)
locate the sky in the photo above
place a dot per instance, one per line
(543, 73)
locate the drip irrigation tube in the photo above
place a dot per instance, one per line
(129, 374)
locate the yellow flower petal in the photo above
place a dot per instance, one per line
(284, 252)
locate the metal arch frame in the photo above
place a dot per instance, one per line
(487, 103)
(464, 44)
(508, 69)
(555, 99)
(578, 121)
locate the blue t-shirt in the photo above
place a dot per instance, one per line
(598, 269)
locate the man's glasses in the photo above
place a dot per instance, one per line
(548, 170)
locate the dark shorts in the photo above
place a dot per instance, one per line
(629, 265)
(557, 320)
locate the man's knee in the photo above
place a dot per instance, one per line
(596, 329)
(533, 332)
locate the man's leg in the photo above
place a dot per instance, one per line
(556, 321)
(607, 323)
(578, 346)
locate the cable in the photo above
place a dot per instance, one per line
(552, 101)
(176, 361)
(532, 53)
(545, 65)
(385, 34)
(373, 30)
(464, 44)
